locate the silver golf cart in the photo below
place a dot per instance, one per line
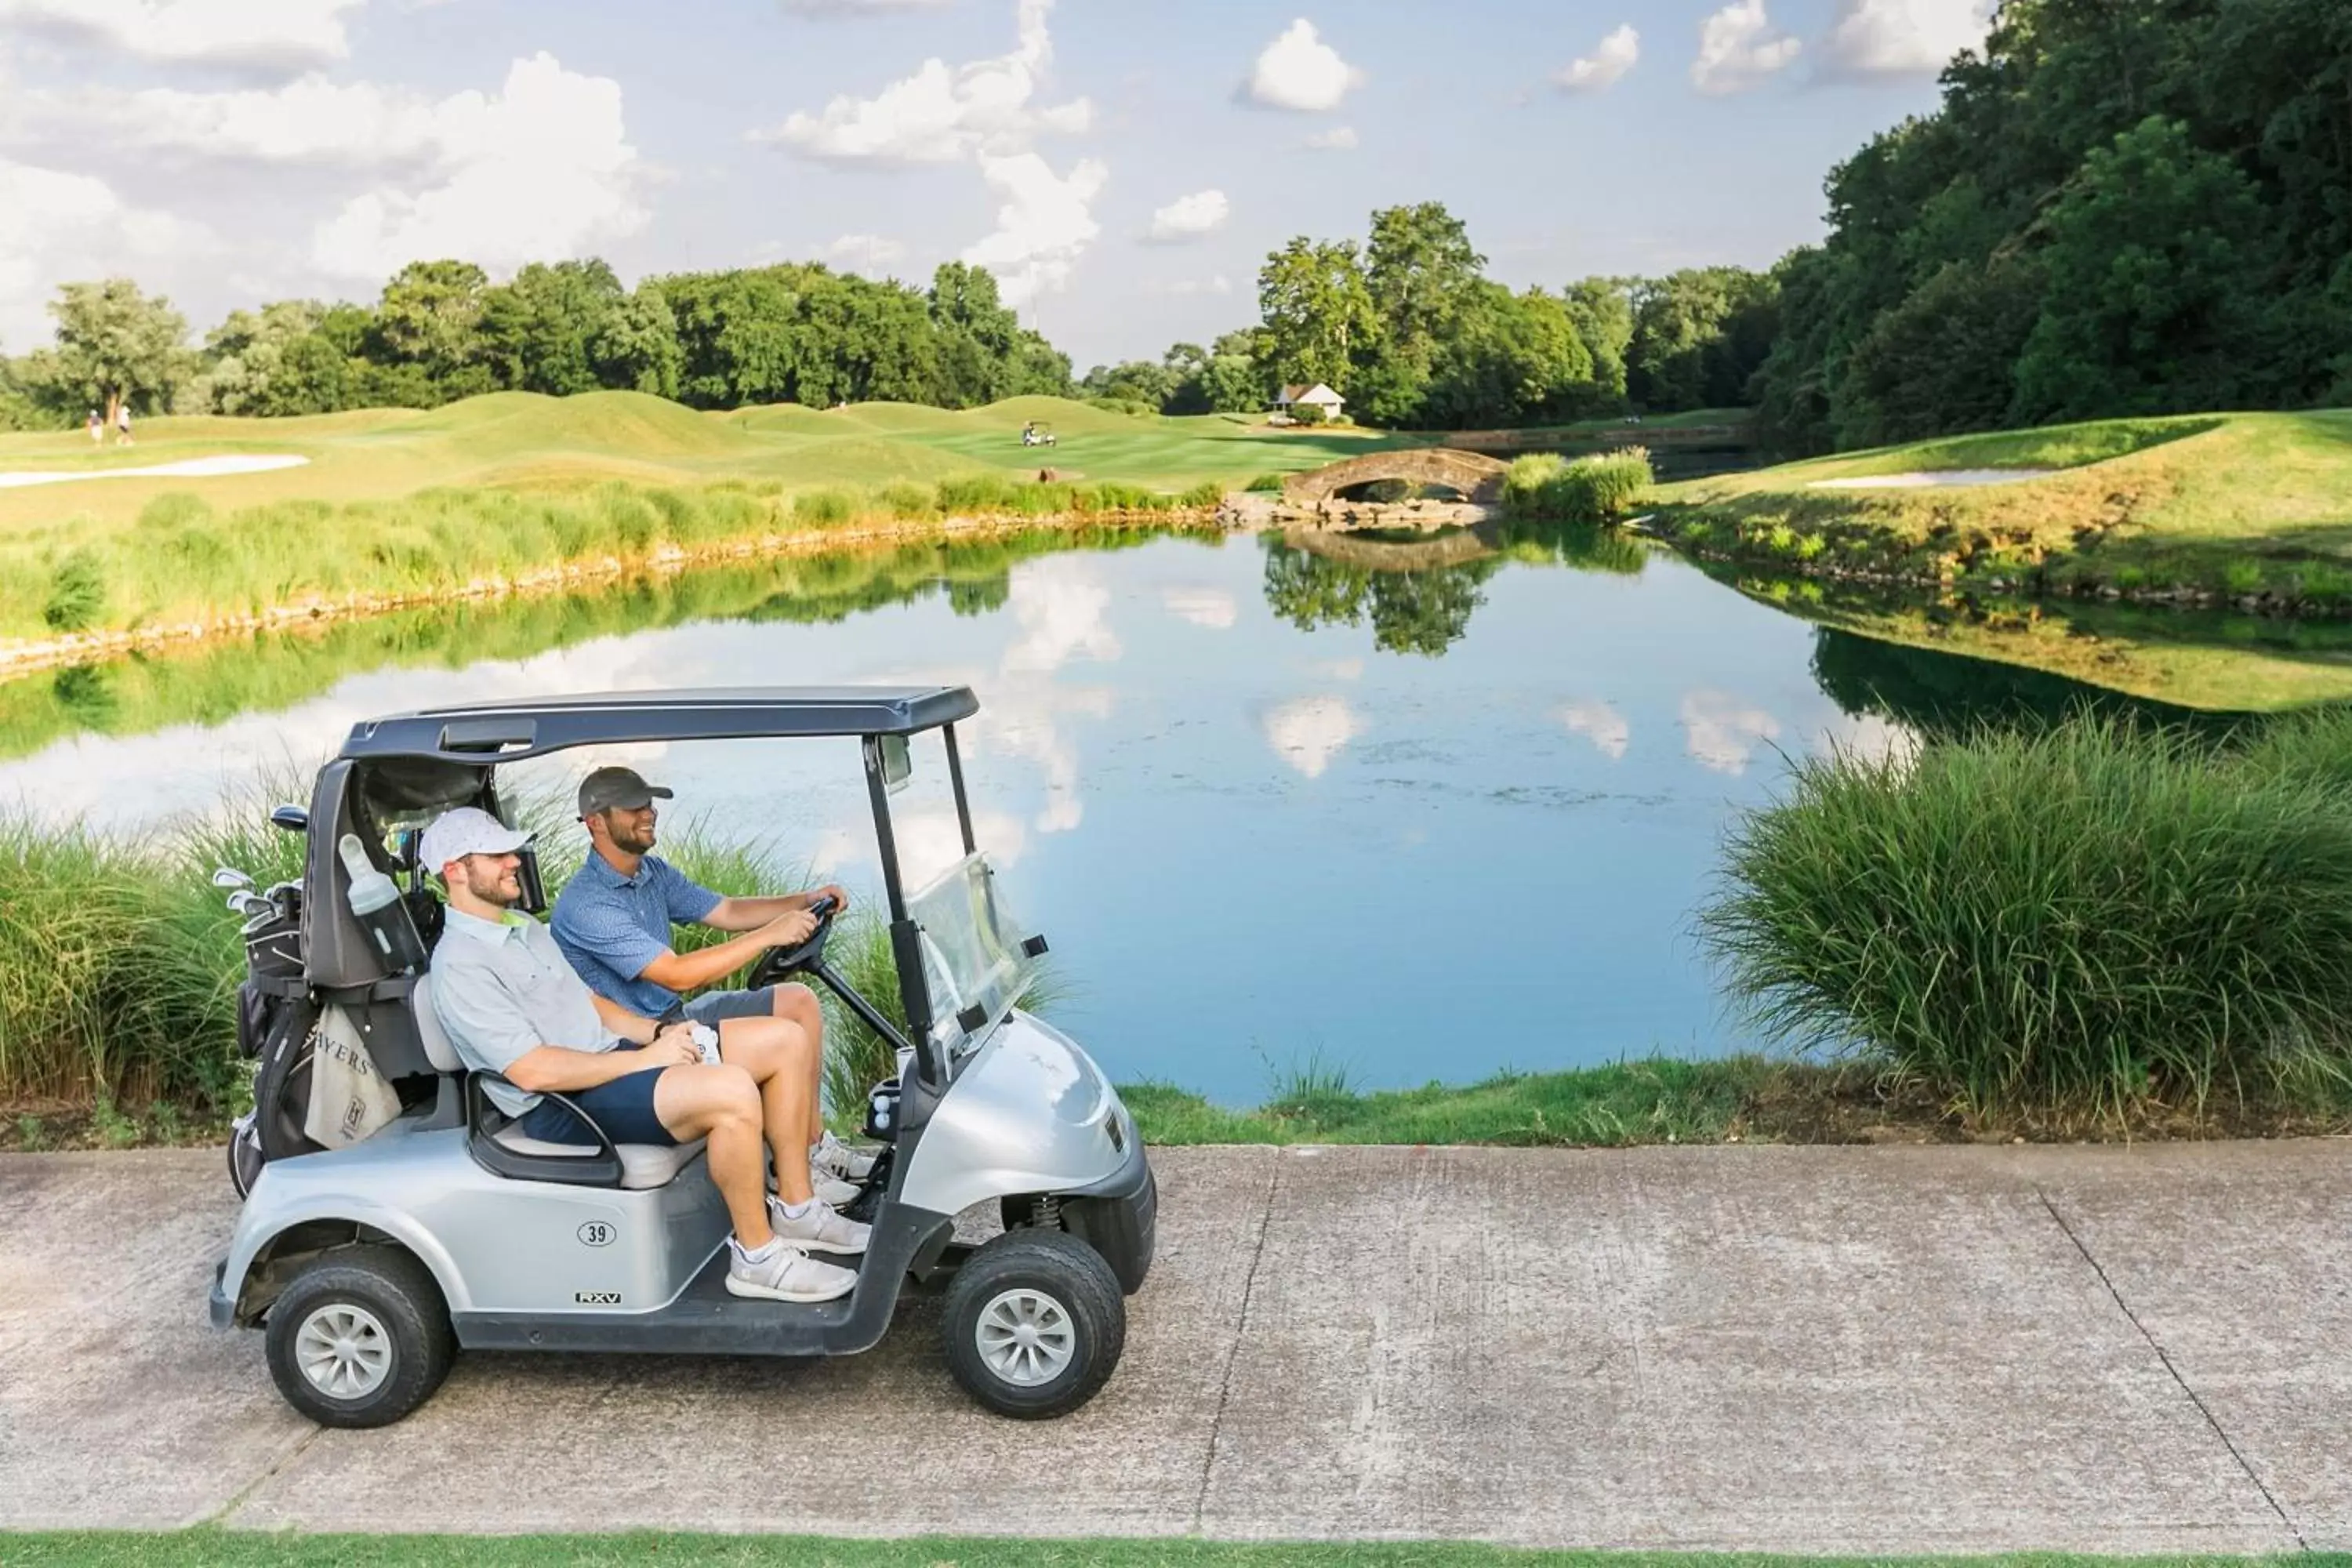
(370, 1264)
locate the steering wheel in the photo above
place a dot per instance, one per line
(779, 962)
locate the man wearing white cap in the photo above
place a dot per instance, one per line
(511, 1005)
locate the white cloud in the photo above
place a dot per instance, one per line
(1310, 733)
(1338, 138)
(1601, 724)
(943, 114)
(310, 120)
(254, 35)
(1903, 38)
(1602, 68)
(1044, 222)
(541, 172)
(61, 224)
(1737, 49)
(1299, 71)
(1721, 734)
(1195, 216)
(871, 254)
(1212, 607)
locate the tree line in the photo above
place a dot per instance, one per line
(2120, 208)
(442, 331)
(1409, 330)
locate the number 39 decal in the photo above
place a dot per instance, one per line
(596, 1233)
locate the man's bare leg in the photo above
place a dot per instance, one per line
(796, 1004)
(721, 1105)
(776, 1054)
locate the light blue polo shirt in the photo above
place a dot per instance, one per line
(502, 991)
(612, 926)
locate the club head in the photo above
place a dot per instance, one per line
(230, 876)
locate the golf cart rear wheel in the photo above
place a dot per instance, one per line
(1034, 1324)
(360, 1338)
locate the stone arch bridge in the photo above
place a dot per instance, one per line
(1478, 477)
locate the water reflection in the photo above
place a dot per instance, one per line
(1246, 784)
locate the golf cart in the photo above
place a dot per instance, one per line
(442, 1226)
(1036, 433)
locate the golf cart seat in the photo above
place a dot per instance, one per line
(502, 1148)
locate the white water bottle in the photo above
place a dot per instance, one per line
(374, 901)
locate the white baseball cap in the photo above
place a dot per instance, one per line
(468, 830)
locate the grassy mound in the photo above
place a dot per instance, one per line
(2246, 507)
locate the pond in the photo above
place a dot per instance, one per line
(1415, 808)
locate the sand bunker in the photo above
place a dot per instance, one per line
(1938, 479)
(186, 469)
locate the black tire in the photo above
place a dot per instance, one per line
(1074, 1278)
(394, 1290)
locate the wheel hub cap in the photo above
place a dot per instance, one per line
(1026, 1338)
(343, 1350)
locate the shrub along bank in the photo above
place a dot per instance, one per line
(2089, 920)
(1546, 486)
(182, 562)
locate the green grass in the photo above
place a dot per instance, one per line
(2089, 918)
(1661, 1100)
(2222, 506)
(1545, 486)
(242, 1549)
(494, 489)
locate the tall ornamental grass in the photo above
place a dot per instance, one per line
(2088, 918)
(1546, 486)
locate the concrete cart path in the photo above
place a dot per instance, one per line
(1795, 1349)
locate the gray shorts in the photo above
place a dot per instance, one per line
(714, 1007)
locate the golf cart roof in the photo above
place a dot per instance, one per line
(488, 733)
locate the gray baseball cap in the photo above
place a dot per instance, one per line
(607, 789)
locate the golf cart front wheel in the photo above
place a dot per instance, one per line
(360, 1338)
(1034, 1324)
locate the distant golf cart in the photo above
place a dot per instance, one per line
(1037, 433)
(369, 1265)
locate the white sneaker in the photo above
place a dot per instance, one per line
(830, 1156)
(840, 1195)
(782, 1272)
(820, 1229)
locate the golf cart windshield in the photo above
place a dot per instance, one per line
(977, 961)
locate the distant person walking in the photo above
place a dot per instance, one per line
(96, 429)
(122, 424)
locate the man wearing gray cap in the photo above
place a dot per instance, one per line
(613, 921)
(511, 1005)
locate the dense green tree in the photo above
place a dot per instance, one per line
(1423, 278)
(2155, 261)
(1602, 310)
(2173, 176)
(540, 332)
(1135, 380)
(636, 349)
(1509, 359)
(274, 362)
(1317, 312)
(430, 317)
(114, 346)
(1699, 336)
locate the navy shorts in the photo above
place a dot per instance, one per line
(623, 1107)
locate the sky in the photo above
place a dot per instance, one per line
(1123, 167)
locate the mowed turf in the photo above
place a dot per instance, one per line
(526, 441)
(2197, 490)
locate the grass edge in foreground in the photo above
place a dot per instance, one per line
(234, 1549)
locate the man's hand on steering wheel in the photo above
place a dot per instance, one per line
(836, 892)
(789, 930)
